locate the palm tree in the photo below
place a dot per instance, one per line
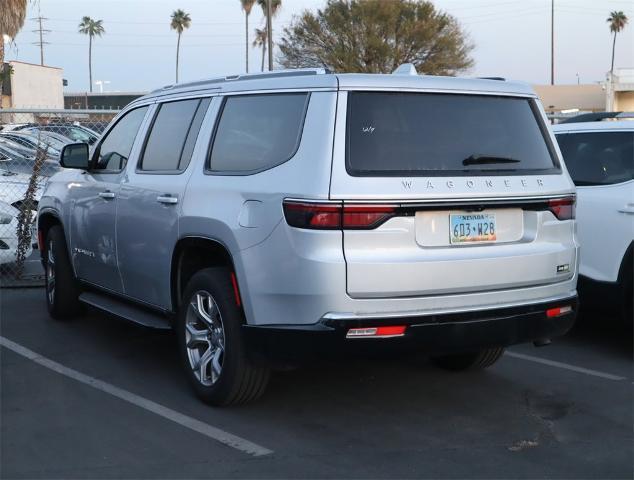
(275, 6)
(247, 5)
(260, 41)
(180, 22)
(12, 16)
(92, 28)
(617, 21)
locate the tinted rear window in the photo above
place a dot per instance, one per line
(598, 158)
(258, 132)
(425, 134)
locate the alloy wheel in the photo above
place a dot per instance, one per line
(204, 338)
(50, 274)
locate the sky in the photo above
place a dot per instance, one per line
(137, 52)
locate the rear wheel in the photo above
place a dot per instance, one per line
(211, 343)
(470, 361)
(62, 292)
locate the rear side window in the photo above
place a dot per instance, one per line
(426, 134)
(598, 158)
(173, 136)
(115, 148)
(257, 132)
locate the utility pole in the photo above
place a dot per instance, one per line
(552, 42)
(42, 31)
(269, 36)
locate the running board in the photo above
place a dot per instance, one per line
(125, 310)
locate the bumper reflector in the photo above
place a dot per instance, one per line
(377, 332)
(558, 311)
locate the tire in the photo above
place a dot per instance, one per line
(215, 337)
(470, 361)
(62, 291)
(627, 310)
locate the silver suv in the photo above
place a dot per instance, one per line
(269, 216)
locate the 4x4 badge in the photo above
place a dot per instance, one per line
(407, 184)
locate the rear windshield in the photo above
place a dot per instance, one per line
(598, 158)
(426, 134)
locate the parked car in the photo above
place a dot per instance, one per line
(13, 188)
(95, 126)
(600, 159)
(8, 234)
(76, 133)
(29, 140)
(23, 151)
(279, 214)
(16, 162)
(45, 134)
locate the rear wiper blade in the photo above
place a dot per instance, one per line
(485, 159)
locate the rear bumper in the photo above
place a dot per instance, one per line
(434, 334)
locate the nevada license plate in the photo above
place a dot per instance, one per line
(472, 227)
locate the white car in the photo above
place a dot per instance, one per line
(600, 159)
(13, 187)
(8, 234)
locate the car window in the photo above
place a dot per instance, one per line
(170, 131)
(115, 148)
(598, 158)
(422, 134)
(192, 135)
(257, 132)
(78, 135)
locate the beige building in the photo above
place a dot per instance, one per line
(620, 91)
(584, 98)
(33, 86)
(616, 94)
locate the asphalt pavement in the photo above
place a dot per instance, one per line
(97, 397)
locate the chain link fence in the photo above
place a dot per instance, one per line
(30, 144)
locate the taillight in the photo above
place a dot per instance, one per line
(366, 216)
(562, 208)
(321, 216)
(328, 216)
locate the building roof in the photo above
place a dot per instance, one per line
(32, 64)
(586, 97)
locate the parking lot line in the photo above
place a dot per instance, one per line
(565, 366)
(210, 431)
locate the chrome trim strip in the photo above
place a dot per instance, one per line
(443, 202)
(418, 313)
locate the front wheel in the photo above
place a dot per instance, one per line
(470, 361)
(210, 340)
(62, 291)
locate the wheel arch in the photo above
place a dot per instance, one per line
(192, 254)
(627, 264)
(45, 220)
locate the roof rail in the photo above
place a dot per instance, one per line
(249, 76)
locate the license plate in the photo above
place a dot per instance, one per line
(472, 227)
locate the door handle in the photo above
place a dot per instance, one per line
(629, 208)
(167, 199)
(108, 195)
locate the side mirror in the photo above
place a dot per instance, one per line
(75, 155)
